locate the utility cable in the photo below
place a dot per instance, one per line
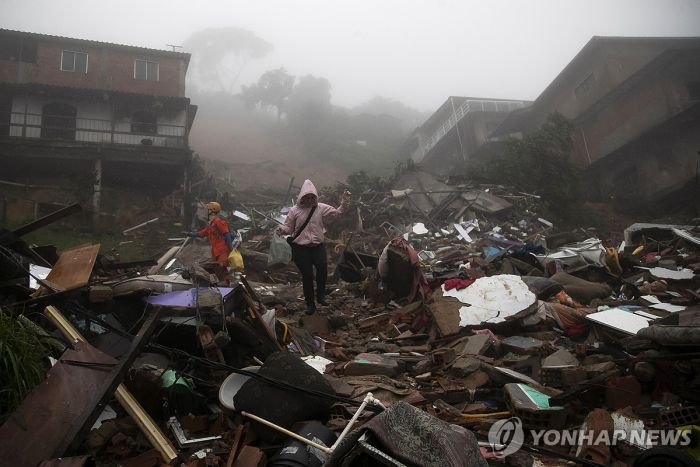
(223, 366)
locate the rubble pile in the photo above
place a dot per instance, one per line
(461, 329)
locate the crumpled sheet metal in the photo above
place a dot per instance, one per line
(576, 256)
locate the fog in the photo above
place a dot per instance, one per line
(323, 88)
(416, 51)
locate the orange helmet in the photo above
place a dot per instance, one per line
(213, 206)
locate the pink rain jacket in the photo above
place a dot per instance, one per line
(313, 232)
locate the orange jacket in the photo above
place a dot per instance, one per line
(215, 232)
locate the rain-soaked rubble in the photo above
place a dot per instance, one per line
(463, 329)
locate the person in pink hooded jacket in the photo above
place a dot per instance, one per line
(308, 250)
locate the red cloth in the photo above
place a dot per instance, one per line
(458, 284)
(215, 232)
(651, 257)
(576, 330)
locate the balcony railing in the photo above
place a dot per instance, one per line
(468, 106)
(91, 130)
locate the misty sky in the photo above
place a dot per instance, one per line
(415, 51)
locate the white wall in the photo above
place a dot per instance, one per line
(94, 122)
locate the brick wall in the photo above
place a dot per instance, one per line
(109, 68)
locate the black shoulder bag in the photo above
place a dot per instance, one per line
(291, 239)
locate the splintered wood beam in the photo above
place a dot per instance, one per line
(73, 268)
(58, 413)
(253, 303)
(46, 220)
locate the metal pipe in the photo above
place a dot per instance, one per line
(139, 226)
(352, 421)
(171, 253)
(325, 449)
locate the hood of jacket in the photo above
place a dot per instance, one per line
(307, 188)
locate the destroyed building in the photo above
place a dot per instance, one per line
(435, 335)
(79, 118)
(460, 327)
(456, 131)
(634, 103)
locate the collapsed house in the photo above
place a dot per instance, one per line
(633, 102)
(457, 131)
(455, 316)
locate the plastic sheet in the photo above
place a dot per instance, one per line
(280, 251)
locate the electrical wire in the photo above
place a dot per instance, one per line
(267, 379)
(222, 366)
(78, 309)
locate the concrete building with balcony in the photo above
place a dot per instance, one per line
(454, 133)
(84, 116)
(635, 105)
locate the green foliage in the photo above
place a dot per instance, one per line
(309, 110)
(22, 364)
(540, 163)
(365, 137)
(361, 181)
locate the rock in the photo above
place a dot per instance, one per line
(372, 364)
(622, 391)
(478, 344)
(476, 380)
(522, 345)
(384, 347)
(422, 366)
(316, 324)
(464, 366)
(336, 322)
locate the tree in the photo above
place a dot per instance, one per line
(310, 113)
(541, 163)
(310, 103)
(219, 55)
(272, 89)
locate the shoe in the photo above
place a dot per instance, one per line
(311, 309)
(322, 301)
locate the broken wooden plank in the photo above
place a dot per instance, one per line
(206, 339)
(57, 409)
(67, 427)
(234, 445)
(46, 220)
(73, 268)
(250, 457)
(445, 312)
(250, 295)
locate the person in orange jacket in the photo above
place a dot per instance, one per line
(220, 239)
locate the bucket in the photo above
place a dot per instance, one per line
(231, 385)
